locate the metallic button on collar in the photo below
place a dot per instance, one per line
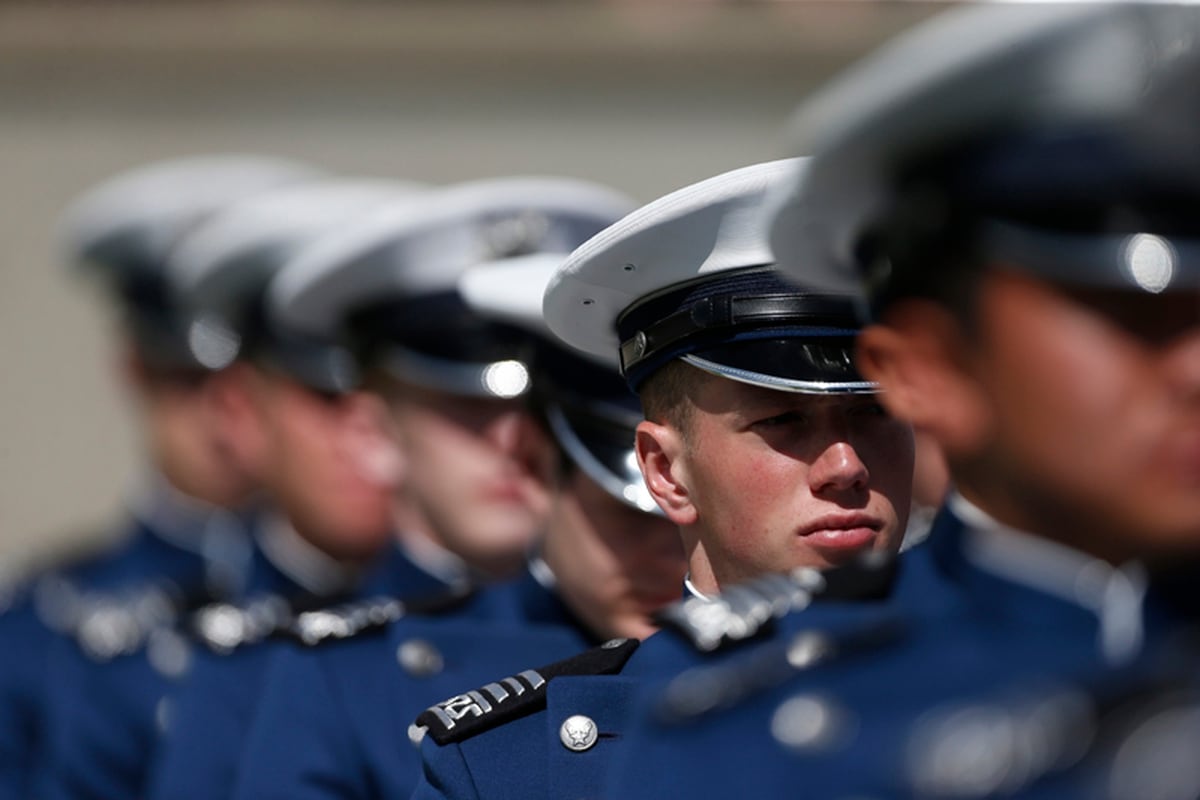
(578, 733)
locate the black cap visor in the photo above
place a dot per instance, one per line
(603, 448)
(502, 379)
(1136, 262)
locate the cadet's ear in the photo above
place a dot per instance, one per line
(919, 358)
(659, 450)
(232, 396)
(368, 441)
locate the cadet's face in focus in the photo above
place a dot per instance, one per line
(615, 565)
(777, 480)
(325, 467)
(1094, 412)
(479, 472)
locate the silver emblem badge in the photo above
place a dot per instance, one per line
(578, 733)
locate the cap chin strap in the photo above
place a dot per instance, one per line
(779, 383)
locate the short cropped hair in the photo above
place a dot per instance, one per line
(667, 395)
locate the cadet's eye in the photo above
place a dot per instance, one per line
(870, 410)
(786, 418)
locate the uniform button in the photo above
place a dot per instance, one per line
(967, 752)
(810, 723)
(578, 733)
(808, 649)
(168, 653)
(419, 658)
(612, 644)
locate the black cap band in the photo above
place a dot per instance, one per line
(725, 314)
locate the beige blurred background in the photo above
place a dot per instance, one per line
(646, 96)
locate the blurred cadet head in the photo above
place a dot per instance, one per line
(474, 482)
(611, 554)
(1013, 187)
(761, 441)
(120, 234)
(287, 403)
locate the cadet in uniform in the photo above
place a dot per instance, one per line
(334, 720)
(229, 260)
(761, 443)
(183, 542)
(1010, 187)
(319, 445)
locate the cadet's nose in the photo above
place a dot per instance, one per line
(504, 430)
(838, 468)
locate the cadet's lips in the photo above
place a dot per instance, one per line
(842, 531)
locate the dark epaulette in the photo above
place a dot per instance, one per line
(110, 624)
(345, 621)
(479, 710)
(225, 627)
(48, 582)
(746, 610)
(700, 690)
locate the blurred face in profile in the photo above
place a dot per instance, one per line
(1073, 414)
(330, 466)
(762, 480)
(615, 565)
(1108, 423)
(478, 473)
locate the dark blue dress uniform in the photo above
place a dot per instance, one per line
(556, 739)
(892, 699)
(210, 715)
(120, 233)
(685, 277)
(564, 739)
(224, 269)
(334, 715)
(1049, 143)
(93, 601)
(334, 719)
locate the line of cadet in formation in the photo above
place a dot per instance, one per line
(429, 467)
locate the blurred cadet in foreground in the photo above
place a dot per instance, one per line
(473, 395)
(297, 420)
(1012, 188)
(180, 544)
(761, 444)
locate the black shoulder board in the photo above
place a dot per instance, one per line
(224, 627)
(748, 609)
(742, 611)
(318, 626)
(107, 625)
(479, 710)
